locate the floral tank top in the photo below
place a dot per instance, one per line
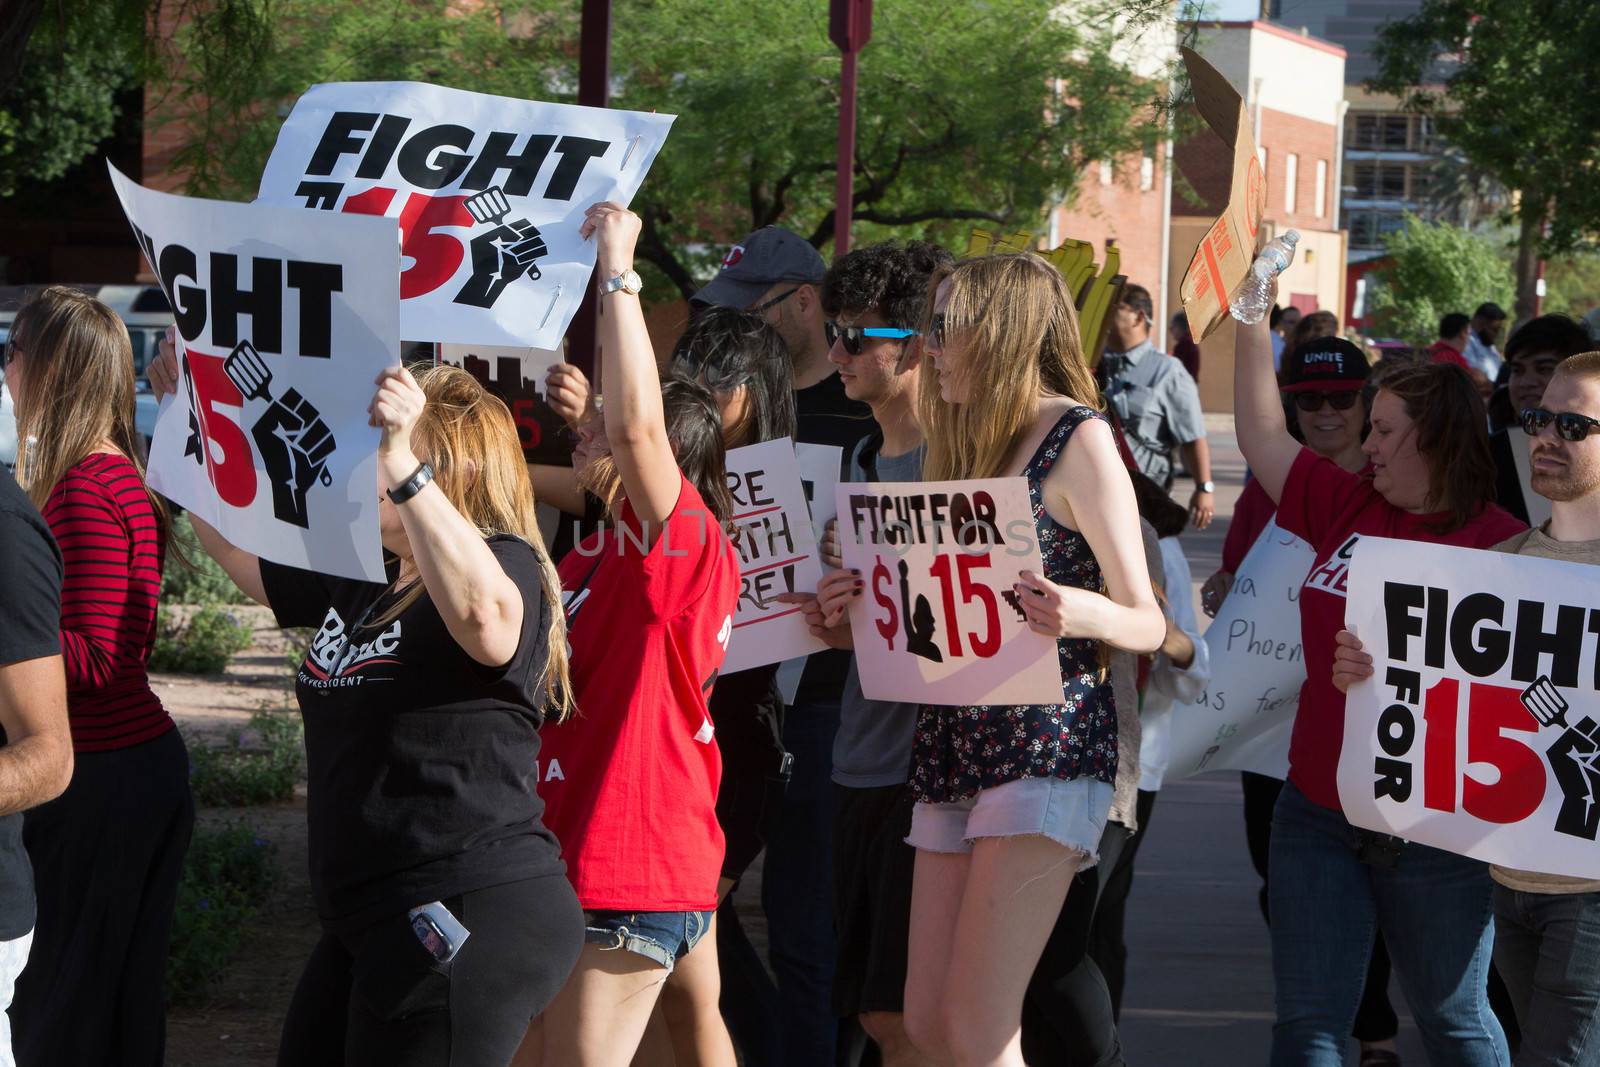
(961, 750)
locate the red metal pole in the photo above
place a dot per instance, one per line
(594, 90)
(844, 189)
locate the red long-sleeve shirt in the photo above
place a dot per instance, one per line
(113, 552)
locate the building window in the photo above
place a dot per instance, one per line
(1291, 174)
(1105, 172)
(1368, 228)
(1261, 153)
(1147, 173)
(1322, 189)
(1377, 180)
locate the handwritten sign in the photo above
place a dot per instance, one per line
(516, 376)
(1245, 716)
(777, 554)
(939, 622)
(284, 320)
(1479, 731)
(489, 192)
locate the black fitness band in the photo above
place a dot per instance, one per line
(412, 485)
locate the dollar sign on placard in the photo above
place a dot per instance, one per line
(882, 592)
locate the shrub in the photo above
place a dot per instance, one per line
(201, 643)
(199, 581)
(259, 765)
(228, 874)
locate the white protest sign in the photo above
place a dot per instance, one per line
(1245, 716)
(1477, 732)
(516, 376)
(489, 192)
(285, 321)
(819, 473)
(938, 622)
(777, 554)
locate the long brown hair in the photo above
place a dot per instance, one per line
(79, 371)
(467, 436)
(1019, 327)
(1452, 437)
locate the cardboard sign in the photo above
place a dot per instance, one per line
(1479, 731)
(284, 321)
(939, 622)
(516, 376)
(777, 554)
(489, 192)
(1245, 716)
(1226, 251)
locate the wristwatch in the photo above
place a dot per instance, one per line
(628, 282)
(1207, 487)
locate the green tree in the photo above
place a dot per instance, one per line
(1505, 82)
(1573, 283)
(1434, 268)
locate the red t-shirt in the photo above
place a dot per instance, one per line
(1332, 509)
(630, 779)
(1443, 353)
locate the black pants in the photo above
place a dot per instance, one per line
(378, 998)
(1066, 1014)
(1106, 944)
(107, 856)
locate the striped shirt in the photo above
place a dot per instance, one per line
(113, 552)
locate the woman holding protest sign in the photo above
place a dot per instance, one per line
(632, 781)
(107, 854)
(1012, 801)
(447, 921)
(1332, 884)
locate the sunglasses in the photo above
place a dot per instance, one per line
(774, 302)
(10, 351)
(1570, 425)
(853, 337)
(936, 330)
(1342, 400)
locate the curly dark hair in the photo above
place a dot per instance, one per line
(889, 278)
(727, 349)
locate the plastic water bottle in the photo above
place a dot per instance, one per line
(1254, 295)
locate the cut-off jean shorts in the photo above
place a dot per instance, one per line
(1070, 813)
(663, 937)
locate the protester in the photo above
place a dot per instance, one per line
(463, 652)
(36, 754)
(1011, 801)
(1282, 323)
(1487, 322)
(778, 275)
(1184, 349)
(106, 854)
(1453, 333)
(631, 782)
(1546, 925)
(876, 298)
(1331, 883)
(1157, 407)
(1533, 353)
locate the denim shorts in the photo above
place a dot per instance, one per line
(1070, 813)
(663, 937)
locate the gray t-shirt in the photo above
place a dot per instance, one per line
(873, 745)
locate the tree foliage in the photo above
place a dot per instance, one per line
(1505, 82)
(1434, 268)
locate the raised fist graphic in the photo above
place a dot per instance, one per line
(294, 441)
(1575, 762)
(500, 255)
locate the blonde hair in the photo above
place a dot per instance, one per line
(467, 436)
(1583, 365)
(79, 373)
(1019, 329)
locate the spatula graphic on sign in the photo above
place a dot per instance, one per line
(1545, 701)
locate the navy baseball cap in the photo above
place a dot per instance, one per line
(1326, 363)
(770, 255)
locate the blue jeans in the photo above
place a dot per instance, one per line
(1434, 909)
(1547, 948)
(796, 886)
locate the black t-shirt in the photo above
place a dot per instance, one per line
(30, 628)
(420, 760)
(824, 415)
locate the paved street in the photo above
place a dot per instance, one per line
(1199, 990)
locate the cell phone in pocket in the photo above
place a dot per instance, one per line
(439, 932)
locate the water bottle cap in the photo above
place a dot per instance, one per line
(1291, 237)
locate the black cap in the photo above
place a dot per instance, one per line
(770, 255)
(1326, 363)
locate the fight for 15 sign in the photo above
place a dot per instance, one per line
(938, 622)
(1478, 731)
